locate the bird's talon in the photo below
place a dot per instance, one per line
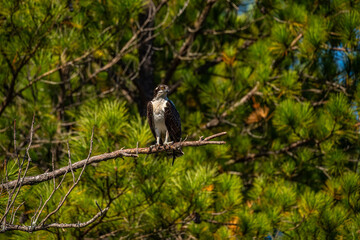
(167, 145)
(155, 146)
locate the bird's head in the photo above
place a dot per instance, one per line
(161, 91)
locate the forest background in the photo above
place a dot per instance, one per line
(280, 77)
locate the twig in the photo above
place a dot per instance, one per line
(37, 212)
(12, 199)
(98, 206)
(137, 148)
(324, 170)
(110, 234)
(53, 153)
(104, 215)
(74, 184)
(55, 187)
(15, 150)
(215, 136)
(14, 214)
(70, 164)
(54, 225)
(221, 223)
(296, 40)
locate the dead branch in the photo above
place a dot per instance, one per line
(111, 200)
(131, 152)
(215, 136)
(74, 184)
(42, 226)
(10, 227)
(20, 180)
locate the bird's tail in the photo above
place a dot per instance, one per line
(176, 153)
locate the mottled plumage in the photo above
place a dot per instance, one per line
(172, 121)
(164, 119)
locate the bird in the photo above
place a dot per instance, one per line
(164, 120)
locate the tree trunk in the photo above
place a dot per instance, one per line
(145, 81)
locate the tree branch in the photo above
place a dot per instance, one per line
(216, 121)
(286, 149)
(234, 31)
(131, 152)
(188, 41)
(10, 227)
(20, 180)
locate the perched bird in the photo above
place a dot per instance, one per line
(164, 119)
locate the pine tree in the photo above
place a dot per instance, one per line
(280, 77)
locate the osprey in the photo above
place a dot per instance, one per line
(163, 118)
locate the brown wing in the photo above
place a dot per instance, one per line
(150, 117)
(172, 122)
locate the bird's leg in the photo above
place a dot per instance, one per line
(166, 142)
(157, 144)
(158, 136)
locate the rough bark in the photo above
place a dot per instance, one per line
(145, 81)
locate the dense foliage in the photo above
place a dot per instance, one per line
(290, 168)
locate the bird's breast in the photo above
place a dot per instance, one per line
(159, 109)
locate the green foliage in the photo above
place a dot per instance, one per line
(290, 166)
(292, 118)
(348, 27)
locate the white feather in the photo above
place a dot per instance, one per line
(159, 116)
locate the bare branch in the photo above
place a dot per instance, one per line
(131, 152)
(70, 164)
(15, 150)
(111, 199)
(54, 225)
(19, 180)
(14, 214)
(215, 136)
(74, 184)
(296, 40)
(55, 188)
